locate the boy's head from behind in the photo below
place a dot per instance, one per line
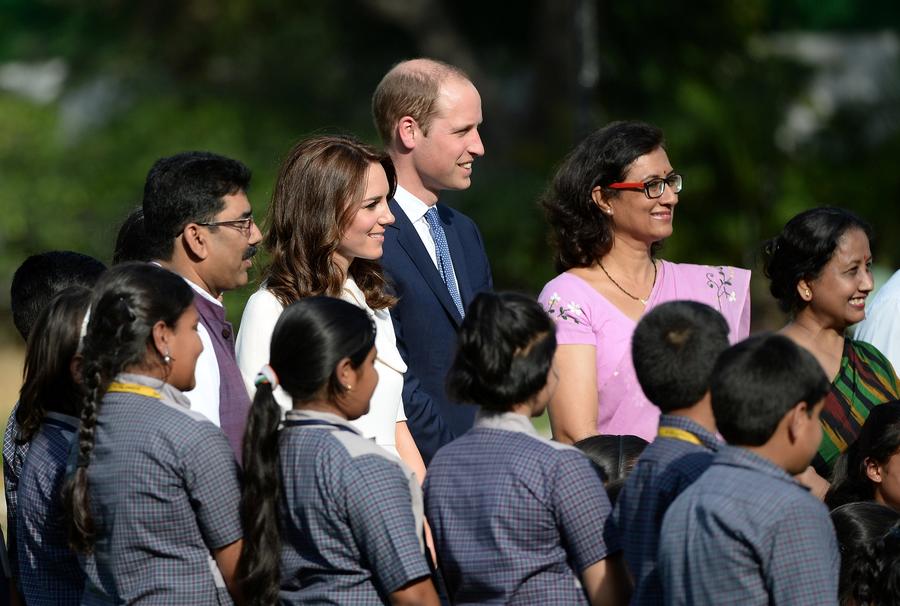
(674, 348)
(42, 276)
(767, 391)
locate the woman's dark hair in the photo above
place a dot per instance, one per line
(878, 441)
(310, 338)
(803, 248)
(128, 301)
(48, 383)
(504, 351)
(581, 233)
(861, 529)
(615, 456)
(318, 192)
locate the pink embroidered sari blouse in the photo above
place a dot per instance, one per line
(584, 317)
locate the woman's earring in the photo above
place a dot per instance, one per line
(808, 294)
(349, 387)
(167, 358)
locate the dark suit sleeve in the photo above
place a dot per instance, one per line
(423, 415)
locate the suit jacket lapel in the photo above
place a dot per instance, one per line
(409, 241)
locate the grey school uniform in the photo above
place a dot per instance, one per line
(164, 492)
(351, 515)
(746, 533)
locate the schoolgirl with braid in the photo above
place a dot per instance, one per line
(153, 487)
(329, 517)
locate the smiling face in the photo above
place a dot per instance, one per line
(364, 236)
(443, 158)
(837, 297)
(635, 216)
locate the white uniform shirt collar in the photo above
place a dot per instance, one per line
(317, 415)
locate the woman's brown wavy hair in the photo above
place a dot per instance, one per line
(319, 188)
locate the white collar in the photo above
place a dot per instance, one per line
(414, 208)
(196, 288)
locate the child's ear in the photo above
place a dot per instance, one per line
(75, 365)
(798, 418)
(346, 374)
(873, 470)
(161, 338)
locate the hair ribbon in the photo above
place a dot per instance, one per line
(268, 375)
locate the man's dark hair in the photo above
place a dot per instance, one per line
(132, 243)
(674, 348)
(42, 276)
(758, 381)
(186, 188)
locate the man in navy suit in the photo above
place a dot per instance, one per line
(428, 114)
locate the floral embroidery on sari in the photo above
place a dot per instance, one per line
(722, 283)
(564, 312)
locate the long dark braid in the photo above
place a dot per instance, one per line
(128, 301)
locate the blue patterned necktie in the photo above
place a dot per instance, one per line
(442, 251)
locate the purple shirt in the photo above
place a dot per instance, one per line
(584, 317)
(234, 402)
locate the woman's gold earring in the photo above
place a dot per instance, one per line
(808, 294)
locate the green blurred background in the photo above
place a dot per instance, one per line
(769, 107)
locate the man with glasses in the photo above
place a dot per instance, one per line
(199, 224)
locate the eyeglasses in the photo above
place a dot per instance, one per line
(242, 225)
(653, 188)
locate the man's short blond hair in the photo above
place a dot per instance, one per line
(410, 88)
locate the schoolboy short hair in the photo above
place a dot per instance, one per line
(674, 348)
(42, 276)
(758, 381)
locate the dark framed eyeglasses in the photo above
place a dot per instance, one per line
(242, 225)
(653, 188)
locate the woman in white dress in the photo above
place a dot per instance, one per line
(324, 232)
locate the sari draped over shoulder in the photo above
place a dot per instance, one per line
(584, 316)
(865, 380)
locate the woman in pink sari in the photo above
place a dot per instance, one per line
(611, 203)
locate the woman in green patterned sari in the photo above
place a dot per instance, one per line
(819, 267)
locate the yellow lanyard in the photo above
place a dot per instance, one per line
(679, 434)
(141, 390)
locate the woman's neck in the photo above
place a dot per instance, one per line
(629, 256)
(806, 327)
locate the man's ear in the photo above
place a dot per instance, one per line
(195, 241)
(408, 132)
(601, 201)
